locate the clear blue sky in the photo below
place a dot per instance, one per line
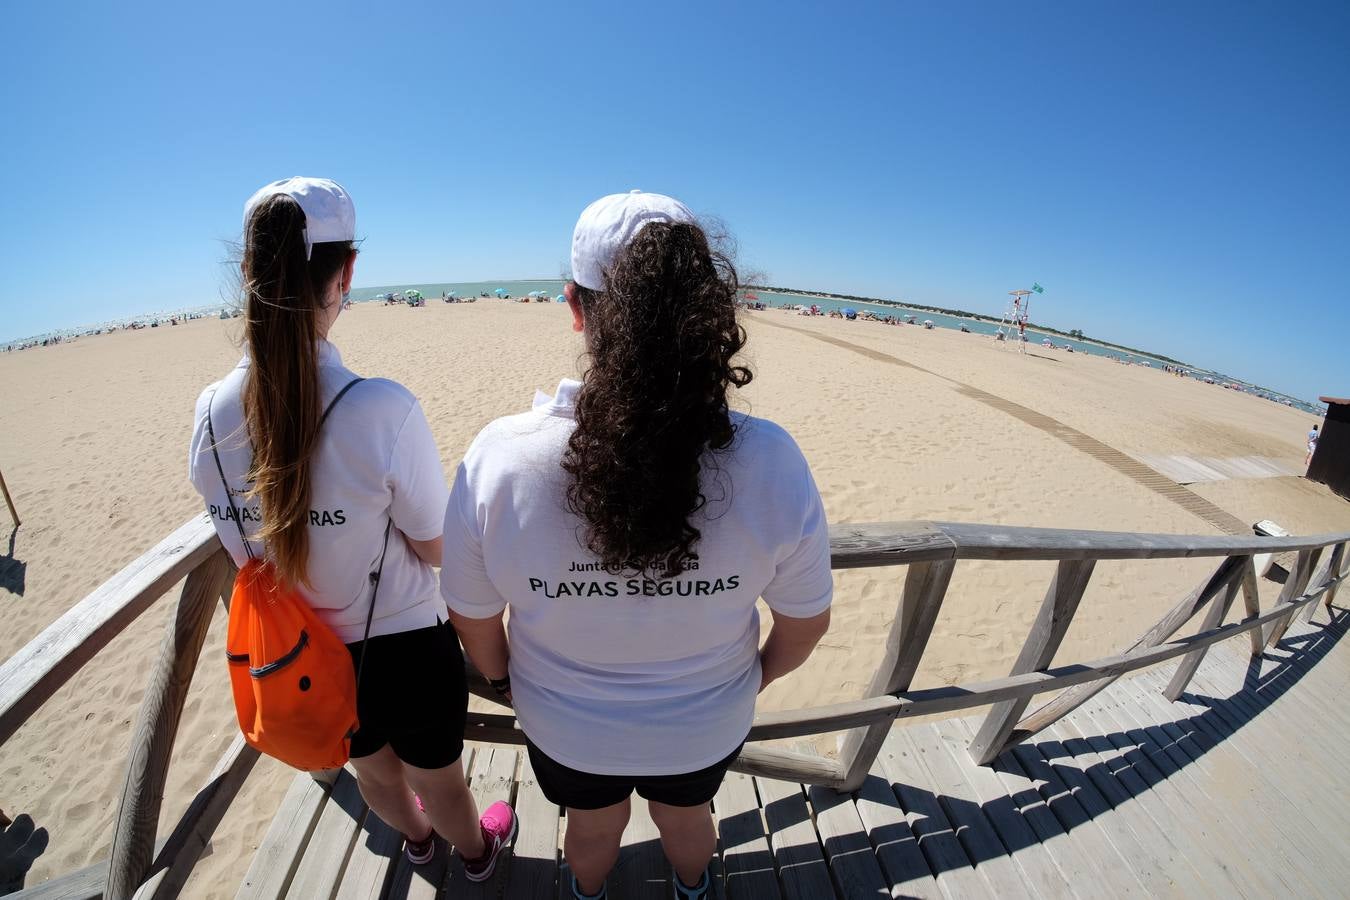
(1175, 174)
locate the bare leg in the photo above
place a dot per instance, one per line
(450, 805)
(380, 777)
(687, 836)
(591, 845)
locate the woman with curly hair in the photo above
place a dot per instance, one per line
(631, 522)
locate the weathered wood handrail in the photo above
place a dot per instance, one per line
(931, 550)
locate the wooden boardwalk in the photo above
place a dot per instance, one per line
(1238, 789)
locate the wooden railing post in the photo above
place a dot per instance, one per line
(133, 844)
(1294, 586)
(1251, 601)
(1218, 609)
(1337, 564)
(1327, 580)
(925, 586)
(1038, 651)
(1168, 625)
(9, 501)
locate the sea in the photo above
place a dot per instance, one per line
(554, 287)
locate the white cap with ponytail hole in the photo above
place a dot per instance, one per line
(609, 224)
(329, 213)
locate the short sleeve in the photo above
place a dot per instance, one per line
(802, 584)
(465, 584)
(416, 479)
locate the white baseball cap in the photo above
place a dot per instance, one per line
(329, 213)
(608, 224)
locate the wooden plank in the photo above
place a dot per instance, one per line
(9, 501)
(1038, 651)
(191, 836)
(1234, 849)
(848, 851)
(953, 870)
(533, 873)
(1153, 862)
(82, 884)
(320, 870)
(1328, 578)
(1251, 602)
(1135, 818)
(897, 849)
(887, 544)
(1112, 854)
(133, 841)
(788, 765)
(747, 861)
(1167, 626)
(920, 603)
(1294, 586)
(642, 870)
(1218, 610)
(374, 856)
(48, 661)
(1338, 569)
(1009, 542)
(963, 809)
(982, 789)
(269, 874)
(796, 850)
(1300, 825)
(1155, 767)
(1235, 787)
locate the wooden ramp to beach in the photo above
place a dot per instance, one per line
(1228, 792)
(1199, 766)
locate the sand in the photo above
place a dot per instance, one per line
(896, 422)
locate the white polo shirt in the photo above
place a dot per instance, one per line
(375, 458)
(625, 674)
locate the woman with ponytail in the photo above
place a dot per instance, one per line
(631, 522)
(342, 497)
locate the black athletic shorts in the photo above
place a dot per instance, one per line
(413, 696)
(584, 790)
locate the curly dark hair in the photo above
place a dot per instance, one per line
(661, 338)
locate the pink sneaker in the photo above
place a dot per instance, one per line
(499, 829)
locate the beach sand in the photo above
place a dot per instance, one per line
(898, 423)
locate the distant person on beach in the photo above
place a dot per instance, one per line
(1312, 445)
(331, 498)
(630, 522)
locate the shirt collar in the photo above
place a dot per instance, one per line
(563, 402)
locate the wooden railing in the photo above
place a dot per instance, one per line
(142, 867)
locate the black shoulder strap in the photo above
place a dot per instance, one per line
(229, 495)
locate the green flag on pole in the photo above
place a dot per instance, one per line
(1038, 289)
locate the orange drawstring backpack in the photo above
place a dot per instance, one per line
(291, 676)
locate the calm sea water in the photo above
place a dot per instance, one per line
(939, 320)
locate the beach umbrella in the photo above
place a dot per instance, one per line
(454, 293)
(850, 311)
(499, 291)
(561, 299)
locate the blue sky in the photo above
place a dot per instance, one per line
(1174, 173)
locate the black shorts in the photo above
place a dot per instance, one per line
(583, 790)
(413, 696)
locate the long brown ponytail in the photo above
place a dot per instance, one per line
(661, 337)
(283, 296)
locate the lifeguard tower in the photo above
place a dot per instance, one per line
(1012, 330)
